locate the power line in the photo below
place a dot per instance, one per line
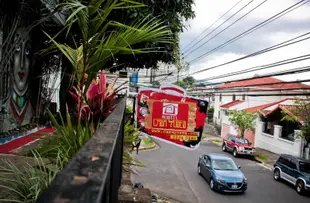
(262, 95)
(268, 49)
(286, 72)
(262, 67)
(228, 26)
(265, 22)
(218, 27)
(212, 25)
(253, 90)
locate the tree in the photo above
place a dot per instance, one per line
(300, 112)
(186, 82)
(180, 83)
(174, 13)
(242, 120)
(189, 81)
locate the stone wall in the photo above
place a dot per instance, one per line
(209, 129)
(130, 194)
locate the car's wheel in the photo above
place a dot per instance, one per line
(276, 174)
(300, 187)
(235, 153)
(198, 170)
(224, 147)
(211, 183)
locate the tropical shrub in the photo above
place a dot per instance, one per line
(131, 134)
(67, 139)
(99, 98)
(25, 183)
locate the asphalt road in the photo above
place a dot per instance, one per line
(171, 172)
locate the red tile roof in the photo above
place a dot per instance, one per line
(262, 81)
(263, 106)
(232, 103)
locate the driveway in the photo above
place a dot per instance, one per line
(171, 172)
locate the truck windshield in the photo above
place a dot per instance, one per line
(304, 167)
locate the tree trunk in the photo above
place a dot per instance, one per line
(242, 133)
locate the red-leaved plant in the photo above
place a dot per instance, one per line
(100, 96)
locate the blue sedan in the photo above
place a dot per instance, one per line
(222, 173)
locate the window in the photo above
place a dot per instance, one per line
(304, 167)
(207, 160)
(283, 161)
(220, 97)
(292, 164)
(224, 164)
(243, 97)
(234, 97)
(219, 114)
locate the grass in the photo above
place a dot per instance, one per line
(217, 141)
(148, 141)
(262, 157)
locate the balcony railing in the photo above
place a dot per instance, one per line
(94, 174)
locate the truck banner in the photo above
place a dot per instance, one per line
(168, 114)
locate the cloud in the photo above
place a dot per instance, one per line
(286, 27)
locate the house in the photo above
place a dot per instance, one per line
(272, 132)
(250, 92)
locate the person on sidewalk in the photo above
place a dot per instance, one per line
(136, 144)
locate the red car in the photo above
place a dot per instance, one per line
(238, 146)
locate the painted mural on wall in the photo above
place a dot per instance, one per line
(16, 109)
(19, 101)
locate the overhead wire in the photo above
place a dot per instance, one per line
(228, 26)
(254, 28)
(262, 67)
(268, 49)
(219, 26)
(185, 48)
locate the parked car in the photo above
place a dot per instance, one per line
(293, 170)
(222, 173)
(238, 146)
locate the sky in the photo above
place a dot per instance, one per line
(290, 25)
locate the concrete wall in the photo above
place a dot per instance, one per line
(275, 143)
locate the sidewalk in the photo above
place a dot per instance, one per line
(266, 158)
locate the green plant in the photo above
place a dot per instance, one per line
(148, 141)
(99, 98)
(129, 109)
(25, 183)
(299, 112)
(211, 110)
(242, 120)
(100, 39)
(67, 139)
(130, 134)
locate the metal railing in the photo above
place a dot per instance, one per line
(94, 174)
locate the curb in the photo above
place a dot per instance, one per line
(213, 142)
(148, 147)
(262, 163)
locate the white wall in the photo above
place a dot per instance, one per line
(275, 143)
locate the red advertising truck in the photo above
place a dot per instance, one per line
(172, 116)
